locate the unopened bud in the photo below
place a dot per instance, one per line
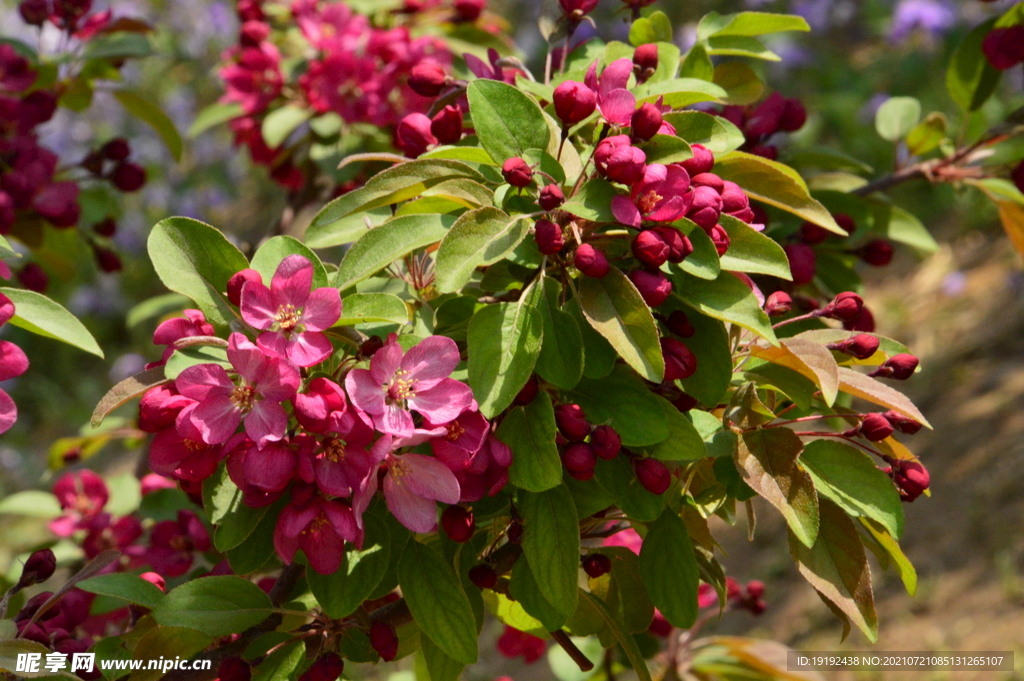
(483, 576)
(606, 442)
(597, 564)
(653, 475)
(548, 236)
(680, 362)
(458, 523)
(574, 101)
(679, 324)
(384, 640)
(860, 346)
(902, 423)
(39, 567)
(550, 197)
(591, 261)
(427, 79)
(898, 367)
(646, 122)
(875, 427)
(877, 253)
(528, 391)
(238, 281)
(579, 458)
(650, 249)
(702, 160)
(654, 287)
(572, 422)
(778, 303)
(446, 125)
(517, 172)
(846, 307)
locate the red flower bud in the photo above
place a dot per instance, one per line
(548, 236)
(911, 478)
(794, 115)
(384, 640)
(606, 442)
(733, 198)
(679, 324)
(253, 33)
(528, 392)
(370, 346)
(768, 151)
(39, 567)
(898, 367)
(238, 280)
(645, 57)
(761, 216)
(574, 101)
(33, 278)
(116, 149)
(591, 261)
(708, 180)
(877, 253)
(866, 322)
(618, 160)
(34, 12)
(579, 458)
(128, 177)
(1018, 176)
(679, 246)
(575, 9)
(413, 135)
(1004, 47)
(846, 307)
(860, 346)
(755, 589)
(458, 523)
(327, 667)
(848, 224)
(550, 197)
(680, 362)
(685, 402)
(108, 260)
(650, 249)
(515, 532)
(646, 122)
(766, 117)
(875, 427)
(654, 287)
(812, 235)
(801, 262)
(234, 669)
(446, 125)
(517, 172)
(902, 423)
(778, 303)
(93, 162)
(720, 238)
(483, 576)
(469, 10)
(427, 79)
(653, 475)
(572, 422)
(701, 162)
(706, 207)
(597, 564)
(155, 579)
(106, 227)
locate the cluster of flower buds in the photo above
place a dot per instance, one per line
(749, 598)
(803, 258)
(584, 443)
(341, 441)
(759, 122)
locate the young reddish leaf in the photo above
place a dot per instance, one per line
(126, 390)
(808, 358)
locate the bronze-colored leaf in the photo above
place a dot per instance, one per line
(867, 388)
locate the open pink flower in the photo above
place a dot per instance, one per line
(253, 76)
(614, 101)
(290, 315)
(268, 468)
(184, 457)
(173, 544)
(265, 383)
(323, 409)
(82, 495)
(398, 382)
(412, 485)
(317, 526)
(661, 196)
(13, 363)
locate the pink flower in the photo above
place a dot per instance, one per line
(104, 534)
(265, 383)
(492, 70)
(479, 460)
(160, 406)
(513, 643)
(323, 409)
(180, 453)
(173, 544)
(253, 77)
(614, 101)
(627, 538)
(82, 495)
(269, 468)
(13, 363)
(317, 526)
(412, 485)
(15, 72)
(398, 382)
(661, 196)
(290, 315)
(192, 324)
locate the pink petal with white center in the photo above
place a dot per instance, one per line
(309, 348)
(625, 211)
(217, 419)
(247, 359)
(203, 381)
(394, 421)
(266, 422)
(323, 309)
(430, 360)
(615, 77)
(364, 392)
(427, 477)
(292, 280)
(415, 512)
(13, 361)
(8, 412)
(618, 107)
(444, 401)
(258, 306)
(386, 361)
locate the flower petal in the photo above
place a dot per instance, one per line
(323, 308)
(443, 402)
(395, 421)
(8, 412)
(415, 512)
(364, 392)
(430, 360)
(618, 107)
(385, 362)
(13, 361)
(625, 211)
(247, 359)
(203, 381)
(258, 306)
(292, 280)
(428, 477)
(615, 77)
(309, 348)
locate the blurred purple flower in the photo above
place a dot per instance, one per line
(931, 16)
(816, 12)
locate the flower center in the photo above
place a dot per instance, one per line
(287, 318)
(399, 469)
(334, 450)
(181, 544)
(455, 431)
(316, 526)
(243, 396)
(193, 446)
(648, 201)
(401, 388)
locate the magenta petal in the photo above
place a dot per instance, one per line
(217, 419)
(13, 361)
(271, 467)
(477, 66)
(309, 348)
(8, 412)
(202, 381)
(443, 402)
(266, 422)
(323, 309)
(258, 306)
(247, 359)
(668, 210)
(173, 329)
(590, 80)
(274, 343)
(278, 380)
(386, 361)
(615, 77)
(625, 211)
(365, 392)
(430, 360)
(428, 477)
(342, 519)
(618, 107)
(291, 281)
(394, 420)
(6, 305)
(415, 512)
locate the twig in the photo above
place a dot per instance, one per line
(581, 660)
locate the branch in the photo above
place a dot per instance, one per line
(562, 639)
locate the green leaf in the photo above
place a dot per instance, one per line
(440, 667)
(523, 588)
(697, 64)
(903, 566)
(871, 389)
(902, 226)
(281, 664)
(703, 262)
(740, 46)
(10, 650)
(37, 314)
(654, 28)
(125, 586)
(125, 391)
(381, 246)
(341, 593)
(970, 78)
(613, 306)
(618, 476)
(280, 123)
(216, 606)
(153, 116)
(750, 24)
(767, 459)
(669, 569)
(551, 544)
(506, 121)
(224, 504)
(623, 401)
(561, 355)
(849, 477)
(478, 238)
(166, 643)
(837, 567)
(196, 260)
(437, 602)
(666, 149)
(277, 248)
(896, 117)
(726, 298)
(751, 251)
(593, 201)
(927, 135)
(394, 185)
(530, 432)
(714, 132)
(257, 550)
(810, 359)
(184, 358)
(360, 308)
(504, 343)
(214, 115)
(679, 92)
(31, 503)
(683, 443)
(710, 344)
(623, 590)
(627, 642)
(120, 45)
(740, 82)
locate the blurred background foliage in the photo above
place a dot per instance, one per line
(960, 310)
